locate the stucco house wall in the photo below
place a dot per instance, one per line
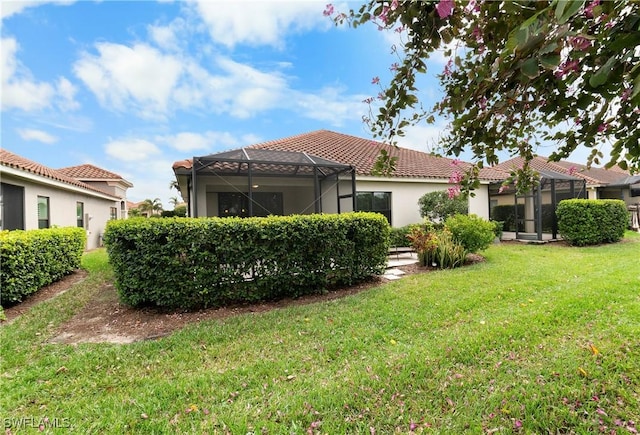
(62, 207)
(23, 181)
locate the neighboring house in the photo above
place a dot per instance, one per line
(35, 196)
(601, 183)
(532, 216)
(103, 180)
(322, 171)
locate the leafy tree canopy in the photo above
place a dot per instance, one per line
(438, 206)
(520, 72)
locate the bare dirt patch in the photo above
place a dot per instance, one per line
(48, 292)
(105, 320)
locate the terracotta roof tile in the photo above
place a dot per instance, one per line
(591, 176)
(89, 172)
(362, 154)
(15, 161)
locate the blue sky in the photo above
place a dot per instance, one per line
(134, 86)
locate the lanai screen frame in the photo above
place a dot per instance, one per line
(250, 162)
(550, 180)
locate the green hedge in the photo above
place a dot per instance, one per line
(195, 263)
(30, 260)
(589, 222)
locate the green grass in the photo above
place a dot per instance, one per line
(538, 339)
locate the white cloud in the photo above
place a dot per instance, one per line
(19, 89)
(122, 77)
(37, 135)
(209, 141)
(67, 92)
(331, 105)
(423, 137)
(9, 8)
(259, 22)
(129, 150)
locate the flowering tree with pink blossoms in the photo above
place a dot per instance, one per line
(519, 73)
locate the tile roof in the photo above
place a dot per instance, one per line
(593, 176)
(15, 161)
(362, 154)
(89, 172)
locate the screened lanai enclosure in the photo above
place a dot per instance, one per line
(532, 216)
(255, 182)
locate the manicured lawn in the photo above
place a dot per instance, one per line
(537, 339)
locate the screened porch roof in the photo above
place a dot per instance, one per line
(267, 163)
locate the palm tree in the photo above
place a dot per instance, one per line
(174, 201)
(174, 185)
(151, 206)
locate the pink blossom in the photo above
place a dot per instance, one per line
(375, 80)
(501, 190)
(572, 170)
(473, 6)
(517, 424)
(381, 96)
(453, 192)
(399, 29)
(477, 34)
(588, 11)
(394, 67)
(394, 5)
(456, 177)
(413, 426)
(626, 94)
(368, 100)
(444, 8)
(482, 102)
(383, 15)
(603, 127)
(447, 67)
(580, 43)
(566, 67)
(328, 10)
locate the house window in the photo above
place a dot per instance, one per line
(113, 213)
(11, 207)
(43, 212)
(80, 214)
(379, 202)
(237, 204)
(634, 190)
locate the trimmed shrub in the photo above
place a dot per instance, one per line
(584, 222)
(196, 263)
(471, 231)
(33, 259)
(437, 206)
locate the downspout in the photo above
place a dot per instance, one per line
(195, 190)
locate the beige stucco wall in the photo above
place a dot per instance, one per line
(299, 198)
(62, 207)
(405, 194)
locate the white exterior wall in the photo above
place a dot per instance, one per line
(62, 206)
(405, 194)
(298, 194)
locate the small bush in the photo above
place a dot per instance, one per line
(33, 259)
(449, 253)
(437, 206)
(400, 236)
(436, 248)
(584, 222)
(471, 231)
